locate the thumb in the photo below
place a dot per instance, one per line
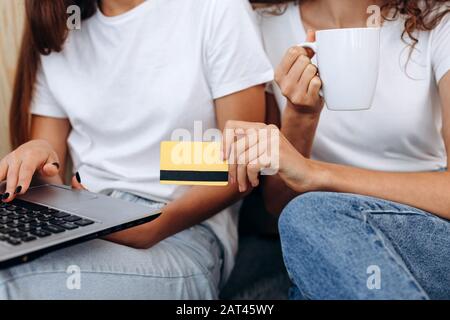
(76, 182)
(51, 166)
(311, 37)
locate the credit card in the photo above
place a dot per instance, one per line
(192, 163)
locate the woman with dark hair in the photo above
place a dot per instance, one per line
(108, 94)
(363, 195)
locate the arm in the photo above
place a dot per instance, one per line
(298, 80)
(424, 190)
(427, 191)
(299, 128)
(199, 203)
(55, 132)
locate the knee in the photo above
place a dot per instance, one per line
(304, 210)
(318, 210)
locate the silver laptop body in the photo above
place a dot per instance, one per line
(70, 216)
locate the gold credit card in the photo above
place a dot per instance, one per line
(193, 163)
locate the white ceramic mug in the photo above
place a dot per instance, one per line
(348, 63)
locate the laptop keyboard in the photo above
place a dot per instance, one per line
(22, 222)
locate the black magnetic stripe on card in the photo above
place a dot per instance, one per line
(207, 176)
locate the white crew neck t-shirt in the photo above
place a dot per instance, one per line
(127, 82)
(402, 130)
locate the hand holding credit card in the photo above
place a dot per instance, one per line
(193, 163)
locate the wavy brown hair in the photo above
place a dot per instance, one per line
(46, 31)
(419, 15)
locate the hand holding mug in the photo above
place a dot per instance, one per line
(348, 60)
(299, 80)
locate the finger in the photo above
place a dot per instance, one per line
(314, 86)
(11, 180)
(253, 170)
(227, 140)
(249, 138)
(242, 177)
(229, 134)
(310, 37)
(249, 157)
(254, 167)
(238, 147)
(297, 70)
(3, 169)
(76, 182)
(51, 166)
(249, 151)
(231, 166)
(288, 61)
(26, 172)
(308, 74)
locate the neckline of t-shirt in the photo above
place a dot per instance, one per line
(297, 22)
(126, 15)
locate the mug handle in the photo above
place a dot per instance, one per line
(313, 47)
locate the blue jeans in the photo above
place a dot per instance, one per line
(184, 266)
(346, 246)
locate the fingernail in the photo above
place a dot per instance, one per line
(18, 190)
(77, 176)
(5, 196)
(56, 164)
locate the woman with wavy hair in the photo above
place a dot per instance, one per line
(108, 94)
(364, 195)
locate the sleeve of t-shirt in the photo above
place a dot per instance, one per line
(235, 55)
(440, 48)
(44, 103)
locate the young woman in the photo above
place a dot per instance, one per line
(367, 191)
(108, 94)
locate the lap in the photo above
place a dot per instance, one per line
(419, 238)
(184, 266)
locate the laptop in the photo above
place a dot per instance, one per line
(49, 217)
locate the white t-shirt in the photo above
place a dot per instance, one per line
(402, 130)
(127, 82)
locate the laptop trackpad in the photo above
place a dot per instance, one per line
(57, 197)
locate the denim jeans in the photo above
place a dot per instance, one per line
(184, 266)
(346, 246)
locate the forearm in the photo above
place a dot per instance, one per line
(299, 128)
(195, 206)
(424, 190)
(275, 185)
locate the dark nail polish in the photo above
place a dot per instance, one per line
(56, 164)
(5, 196)
(77, 176)
(18, 190)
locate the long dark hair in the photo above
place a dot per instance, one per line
(45, 32)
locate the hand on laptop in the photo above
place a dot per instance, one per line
(76, 182)
(19, 167)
